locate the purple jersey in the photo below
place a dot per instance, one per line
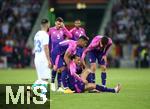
(73, 70)
(57, 56)
(77, 82)
(95, 44)
(58, 35)
(77, 32)
(66, 46)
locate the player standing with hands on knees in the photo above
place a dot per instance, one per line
(57, 34)
(42, 58)
(98, 49)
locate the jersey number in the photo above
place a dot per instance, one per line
(37, 45)
(58, 36)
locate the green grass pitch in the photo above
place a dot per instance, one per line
(135, 93)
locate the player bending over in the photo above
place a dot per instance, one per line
(61, 56)
(97, 50)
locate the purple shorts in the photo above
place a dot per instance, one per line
(58, 60)
(96, 54)
(79, 86)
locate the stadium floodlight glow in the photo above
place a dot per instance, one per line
(52, 9)
(81, 6)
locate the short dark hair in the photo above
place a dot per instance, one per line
(104, 40)
(60, 19)
(84, 38)
(44, 21)
(74, 56)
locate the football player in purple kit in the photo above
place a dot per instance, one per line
(97, 50)
(62, 53)
(81, 83)
(57, 34)
(77, 31)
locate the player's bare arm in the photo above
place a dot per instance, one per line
(67, 57)
(67, 33)
(46, 49)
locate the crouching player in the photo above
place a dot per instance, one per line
(62, 53)
(81, 84)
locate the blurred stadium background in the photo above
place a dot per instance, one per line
(127, 22)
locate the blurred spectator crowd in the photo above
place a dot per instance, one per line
(129, 28)
(16, 20)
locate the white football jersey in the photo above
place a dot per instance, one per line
(41, 38)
